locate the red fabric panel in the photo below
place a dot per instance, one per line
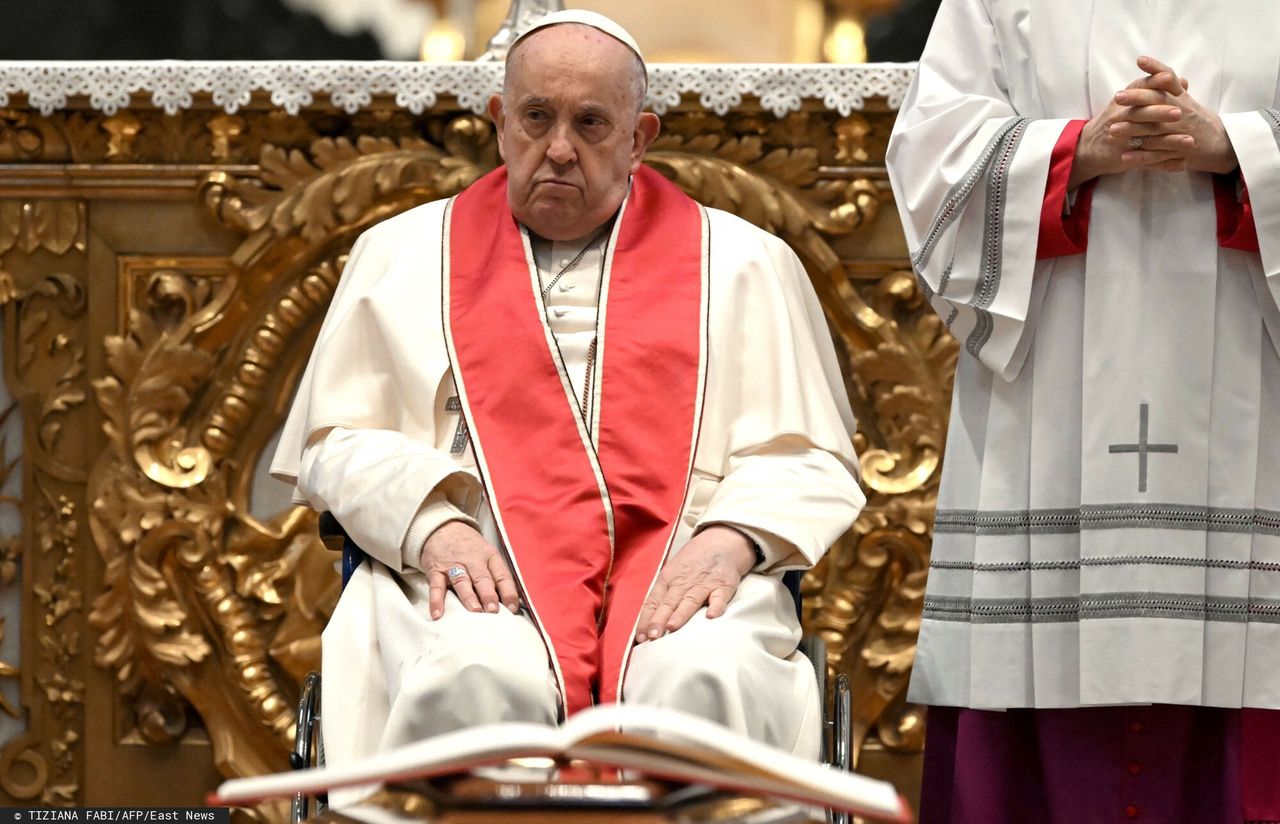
(1062, 234)
(540, 483)
(536, 467)
(649, 389)
(1236, 229)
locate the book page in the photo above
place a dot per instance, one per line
(681, 744)
(451, 752)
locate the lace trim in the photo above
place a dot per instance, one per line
(351, 86)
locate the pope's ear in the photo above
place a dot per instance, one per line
(647, 128)
(499, 117)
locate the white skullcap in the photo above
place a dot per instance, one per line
(585, 18)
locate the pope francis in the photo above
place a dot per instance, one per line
(581, 425)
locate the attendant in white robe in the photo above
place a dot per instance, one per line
(581, 426)
(1091, 197)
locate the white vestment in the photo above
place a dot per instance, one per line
(1108, 526)
(774, 459)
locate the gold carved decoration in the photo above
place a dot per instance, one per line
(10, 554)
(46, 372)
(183, 555)
(203, 613)
(55, 225)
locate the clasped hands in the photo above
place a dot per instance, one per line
(706, 572)
(1154, 123)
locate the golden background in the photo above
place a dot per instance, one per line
(162, 279)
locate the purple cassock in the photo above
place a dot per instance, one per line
(1160, 764)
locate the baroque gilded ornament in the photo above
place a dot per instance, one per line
(206, 605)
(46, 374)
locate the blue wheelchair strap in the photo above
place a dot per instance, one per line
(352, 556)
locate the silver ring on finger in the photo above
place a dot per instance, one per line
(456, 572)
(1135, 143)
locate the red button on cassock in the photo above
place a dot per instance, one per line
(1135, 726)
(1134, 768)
(1132, 811)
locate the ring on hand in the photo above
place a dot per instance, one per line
(456, 572)
(1135, 143)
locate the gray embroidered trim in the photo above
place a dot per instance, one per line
(960, 193)
(1108, 516)
(951, 318)
(1115, 560)
(945, 279)
(993, 231)
(993, 237)
(1273, 115)
(1101, 606)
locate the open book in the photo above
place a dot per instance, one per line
(660, 743)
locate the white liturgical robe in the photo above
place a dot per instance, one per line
(1108, 527)
(773, 458)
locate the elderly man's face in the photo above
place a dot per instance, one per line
(569, 130)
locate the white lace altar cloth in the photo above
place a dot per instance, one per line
(351, 86)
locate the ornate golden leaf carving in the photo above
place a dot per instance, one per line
(123, 129)
(906, 381)
(46, 373)
(194, 586)
(56, 225)
(310, 196)
(226, 129)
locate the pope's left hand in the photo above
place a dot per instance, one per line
(706, 572)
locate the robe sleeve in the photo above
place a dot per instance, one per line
(1064, 216)
(1236, 229)
(353, 444)
(783, 431)
(437, 510)
(969, 176)
(1254, 222)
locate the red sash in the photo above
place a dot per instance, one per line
(573, 516)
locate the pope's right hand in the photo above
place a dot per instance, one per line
(485, 578)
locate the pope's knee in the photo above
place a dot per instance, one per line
(694, 665)
(498, 674)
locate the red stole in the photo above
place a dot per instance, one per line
(573, 514)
